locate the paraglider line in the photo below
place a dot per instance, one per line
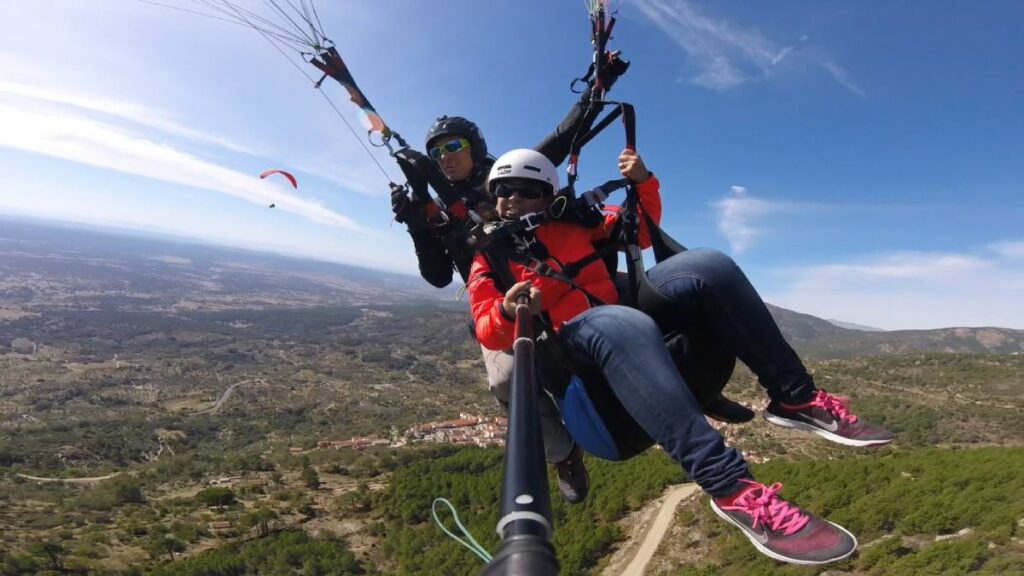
(297, 39)
(196, 12)
(329, 101)
(243, 17)
(352, 130)
(249, 16)
(311, 40)
(306, 16)
(320, 26)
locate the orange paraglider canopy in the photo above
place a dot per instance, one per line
(290, 178)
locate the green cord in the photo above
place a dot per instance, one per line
(469, 542)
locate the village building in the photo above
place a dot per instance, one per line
(467, 429)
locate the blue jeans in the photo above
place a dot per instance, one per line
(713, 295)
(626, 346)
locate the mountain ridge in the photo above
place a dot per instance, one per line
(820, 338)
(82, 268)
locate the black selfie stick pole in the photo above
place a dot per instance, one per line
(524, 523)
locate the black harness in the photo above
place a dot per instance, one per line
(557, 362)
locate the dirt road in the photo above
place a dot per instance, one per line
(639, 553)
(70, 480)
(223, 397)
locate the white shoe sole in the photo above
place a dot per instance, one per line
(787, 423)
(775, 555)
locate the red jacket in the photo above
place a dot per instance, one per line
(566, 243)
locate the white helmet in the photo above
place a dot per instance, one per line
(523, 164)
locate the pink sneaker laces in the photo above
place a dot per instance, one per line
(837, 406)
(763, 504)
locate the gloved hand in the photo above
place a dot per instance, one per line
(614, 68)
(406, 210)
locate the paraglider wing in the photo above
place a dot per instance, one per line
(290, 178)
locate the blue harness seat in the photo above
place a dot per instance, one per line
(597, 421)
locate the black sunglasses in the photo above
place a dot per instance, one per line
(524, 191)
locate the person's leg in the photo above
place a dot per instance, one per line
(558, 444)
(706, 365)
(559, 448)
(710, 288)
(626, 345)
(704, 361)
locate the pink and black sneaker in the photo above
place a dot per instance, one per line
(830, 417)
(780, 530)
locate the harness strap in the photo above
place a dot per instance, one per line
(541, 267)
(573, 269)
(597, 128)
(664, 245)
(503, 277)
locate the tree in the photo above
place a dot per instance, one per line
(161, 545)
(15, 565)
(23, 346)
(310, 477)
(51, 551)
(261, 519)
(216, 496)
(126, 490)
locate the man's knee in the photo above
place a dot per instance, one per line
(689, 272)
(714, 265)
(499, 373)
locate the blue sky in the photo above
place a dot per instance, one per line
(861, 161)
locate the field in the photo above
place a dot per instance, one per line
(160, 412)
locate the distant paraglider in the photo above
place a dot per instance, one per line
(290, 178)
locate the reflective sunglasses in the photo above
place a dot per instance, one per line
(450, 147)
(523, 190)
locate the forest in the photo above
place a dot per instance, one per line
(922, 511)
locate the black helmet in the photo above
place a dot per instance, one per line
(459, 126)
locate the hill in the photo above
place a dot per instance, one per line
(818, 338)
(854, 326)
(60, 267)
(47, 267)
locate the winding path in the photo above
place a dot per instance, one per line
(70, 480)
(635, 565)
(223, 397)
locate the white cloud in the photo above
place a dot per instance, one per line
(135, 113)
(728, 55)
(782, 54)
(909, 290)
(720, 75)
(103, 145)
(740, 216)
(903, 266)
(840, 75)
(358, 175)
(1008, 249)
